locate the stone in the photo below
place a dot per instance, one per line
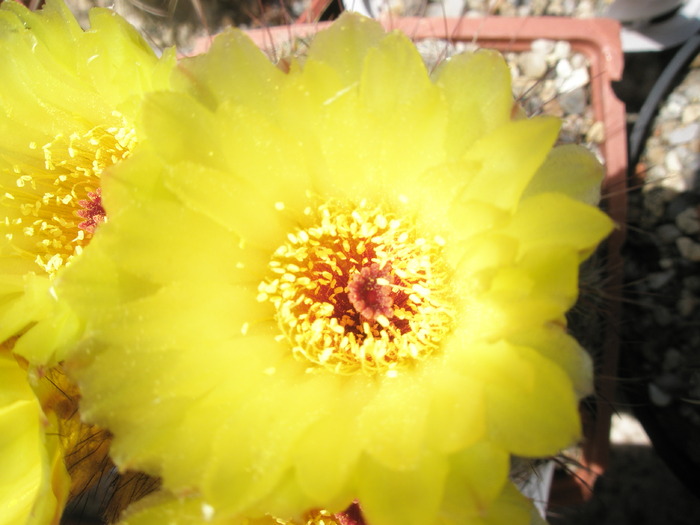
(658, 280)
(542, 46)
(564, 68)
(596, 133)
(668, 233)
(672, 110)
(562, 49)
(579, 60)
(658, 397)
(672, 360)
(673, 161)
(689, 249)
(533, 65)
(548, 91)
(692, 283)
(688, 221)
(691, 114)
(573, 102)
(680, 202)
(687, 303)
(684, 134)
(578, 78)
(655, 202)
(676, 182)
(656, 172)
(669, 382)
(662, 315)
(666, 263)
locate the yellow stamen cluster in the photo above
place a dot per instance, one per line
(316, 517)
(43, 213)
(360, 291)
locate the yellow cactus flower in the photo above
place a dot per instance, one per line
(34, 483)
(68, 107)
(346, 281)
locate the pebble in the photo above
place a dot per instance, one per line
(672, 161)
(684, 134)
(656, 155)
(673, 108)
(688, 221)
(687, 303)
(689, 249)
(672, 359)
(666, 263)
(574, 101)
(542, 46)
(662, 315)
(669, 382)
(691, 114)
(533, 65)
(577, 79)
(564, 68)
(676, 182)
(596, 133)
(668, 233)
(562, 50)
(655, 202)
(692, 283)
(658, 280)
(658, 396)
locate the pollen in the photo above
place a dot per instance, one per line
(52, 211)
(360, 291)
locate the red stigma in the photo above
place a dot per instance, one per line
(92, 211)
(370, 298)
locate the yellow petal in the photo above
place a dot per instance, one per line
(255, 80)
(512, 508)
(555, 344)
(551, 218)
(477, 477)
(252, 452)
(393, 424)
(48, 341)
(475, 216)
(572, 170)
(554, 273)
(345, 44)
(182, 129)
(483, 106)
(531, 406)
(481, 258)
(156, 231)
(25, 299)
(327, 454)
(264, 226)
(457, 417)
(394, 77)
(385, 494)
(507, 159)
(33, 481)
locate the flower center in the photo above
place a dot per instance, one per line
(370, 293)
(51, 211)
(93, 212)
(360, 291)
